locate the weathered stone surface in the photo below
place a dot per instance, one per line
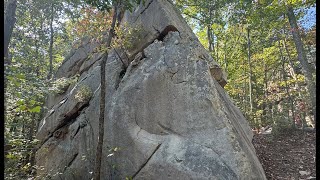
(68, 108)
(74, 64)
(167, 116)
(68, 152)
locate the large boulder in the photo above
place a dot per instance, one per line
(167, 114)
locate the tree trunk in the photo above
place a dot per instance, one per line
(225, 56)
(30, 156)
(210, 39)
(244, 97)
(217, 46)
(287, 87)
(209, 31)
(9, 21)
(250, 72)
(36, 57)
(294, 73)
(302, 58)
(293, 67)
(103, 98)
(51, 42)
(265, 103)
(13, 127)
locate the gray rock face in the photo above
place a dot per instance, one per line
(168, 116)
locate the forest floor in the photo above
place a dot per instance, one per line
(289, 156)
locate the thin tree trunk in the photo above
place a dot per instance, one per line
(103, 98)
(250, 72)
(293, 67)
(217, 46)
(9, 21)
(13, 127)
(36, 57)
(120, 14)
(33, 130)
(209, 31)
(265, 103)
(51, 42)
(210, 39)
(290, 59)
(302, 58)
(23, 128)
(244, 89)
(287, 87)
(29, 157)
(225, 56)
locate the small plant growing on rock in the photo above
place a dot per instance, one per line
(83, 94)
(127, 35)
(61, 85)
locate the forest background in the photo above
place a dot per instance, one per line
(266, 47)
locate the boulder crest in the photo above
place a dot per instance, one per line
(167, 116)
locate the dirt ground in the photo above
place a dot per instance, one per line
(290, 156)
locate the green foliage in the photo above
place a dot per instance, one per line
(282, 124)
(272, 81)
(106, 5)
(127, 35)
(27, 85)
(16, 162)
(61, 85)
(84, 93)
(92, 24)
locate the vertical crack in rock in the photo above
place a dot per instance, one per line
(144, 164)
(158, 32)
(124, 68)
(119, 78)
(146, 7)
(124, 63)
(74, 135)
